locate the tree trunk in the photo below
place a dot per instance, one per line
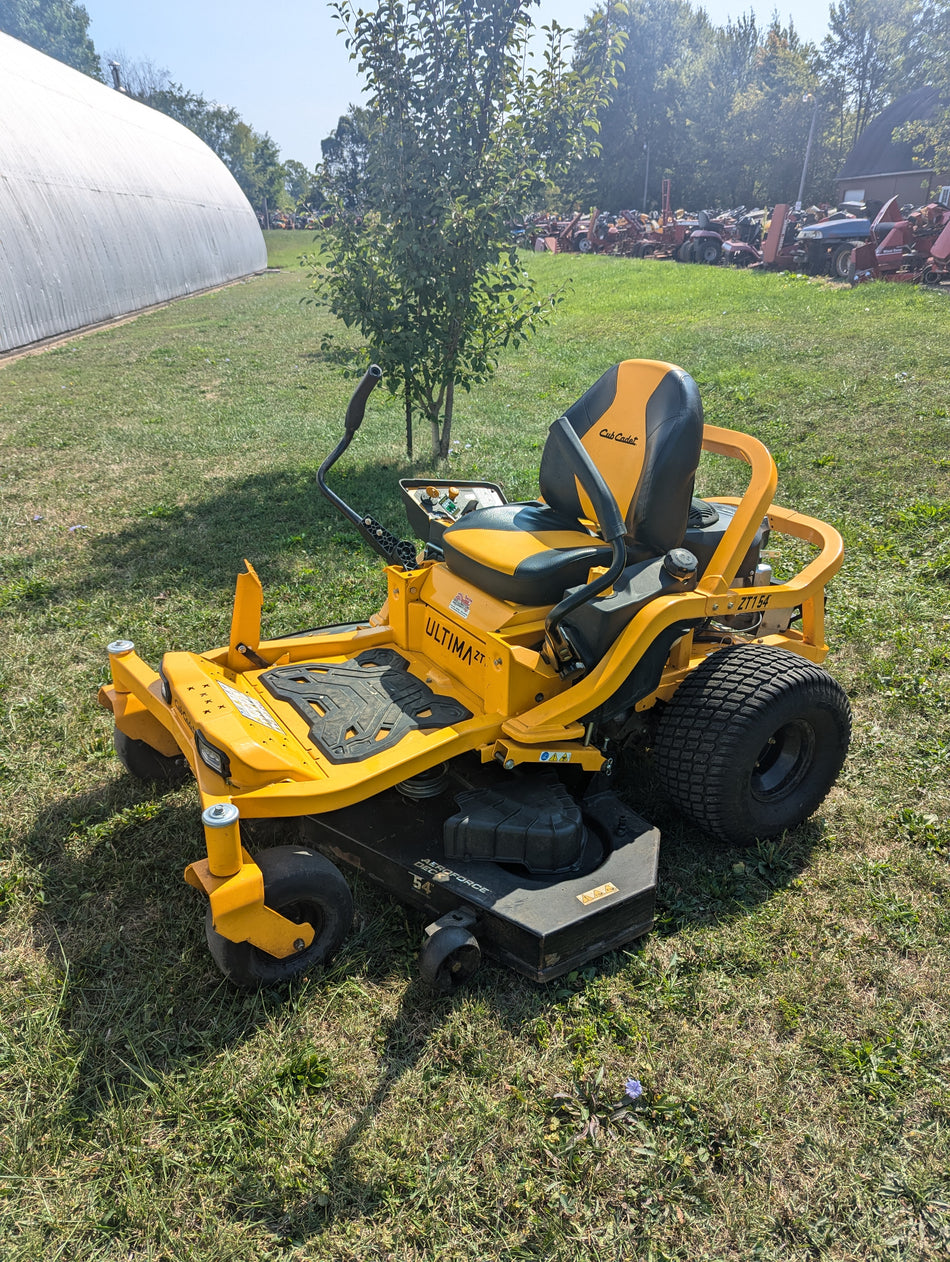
(408, 397)
(436, 436)
(447, 423)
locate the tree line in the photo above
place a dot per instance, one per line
(468, 124)
(724, 112)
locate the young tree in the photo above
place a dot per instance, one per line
(461, 141)
(59, 28)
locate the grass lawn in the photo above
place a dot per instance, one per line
(788, 1018)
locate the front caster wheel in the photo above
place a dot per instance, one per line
(449, 958)
(306, 888)
(752, 742)
(144, 762)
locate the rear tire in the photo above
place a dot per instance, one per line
(707, 251)
(306, 888)
(752, 742)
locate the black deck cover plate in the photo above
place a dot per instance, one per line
(363, 706)
(541, 926)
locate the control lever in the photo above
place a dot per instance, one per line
(391, 549)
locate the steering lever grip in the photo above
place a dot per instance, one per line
(357, 405)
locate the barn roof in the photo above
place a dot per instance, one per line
(875, 152)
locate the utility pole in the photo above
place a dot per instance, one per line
(811, 132)
(646, 174)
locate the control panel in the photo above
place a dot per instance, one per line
(431, 505)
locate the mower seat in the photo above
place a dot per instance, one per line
(642, 425)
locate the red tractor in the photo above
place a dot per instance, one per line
(917, 248)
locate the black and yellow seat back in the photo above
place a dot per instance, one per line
(642, 426)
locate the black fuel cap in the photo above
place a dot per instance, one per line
(680, 564)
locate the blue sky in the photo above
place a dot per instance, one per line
(284, 68)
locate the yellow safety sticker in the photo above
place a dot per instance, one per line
(600, 892)
(555, 755)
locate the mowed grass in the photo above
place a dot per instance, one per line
(788, 1017)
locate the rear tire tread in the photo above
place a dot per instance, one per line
(697, 755)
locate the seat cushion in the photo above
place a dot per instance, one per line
(525, 553)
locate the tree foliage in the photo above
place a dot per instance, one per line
(345, 154)
(59, 28)
(863, 63)
(462, 130)
(928, 43)
(720, 110)
(301, 186)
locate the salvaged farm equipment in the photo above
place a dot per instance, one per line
(915, 249)
(824, 247)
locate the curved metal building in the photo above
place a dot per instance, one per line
(106, 206)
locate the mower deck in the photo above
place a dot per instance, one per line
(541, 926)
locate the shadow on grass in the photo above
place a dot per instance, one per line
(409, 1039)
(145, 1009)
(700, 884)
(702, 881)
(138, 988)
(277, 520)
(414, 1036)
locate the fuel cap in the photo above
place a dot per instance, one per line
(680, 564)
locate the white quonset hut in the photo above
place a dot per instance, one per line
(106, 206)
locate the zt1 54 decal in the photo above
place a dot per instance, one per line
(747, 603)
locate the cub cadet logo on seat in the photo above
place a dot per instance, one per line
(453, 643)
(619, 438)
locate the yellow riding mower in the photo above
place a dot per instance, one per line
(457, 746)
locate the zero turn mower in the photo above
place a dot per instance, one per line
(457, 746)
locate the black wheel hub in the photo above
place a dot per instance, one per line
(783, 761)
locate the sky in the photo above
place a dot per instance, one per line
(285, 69)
